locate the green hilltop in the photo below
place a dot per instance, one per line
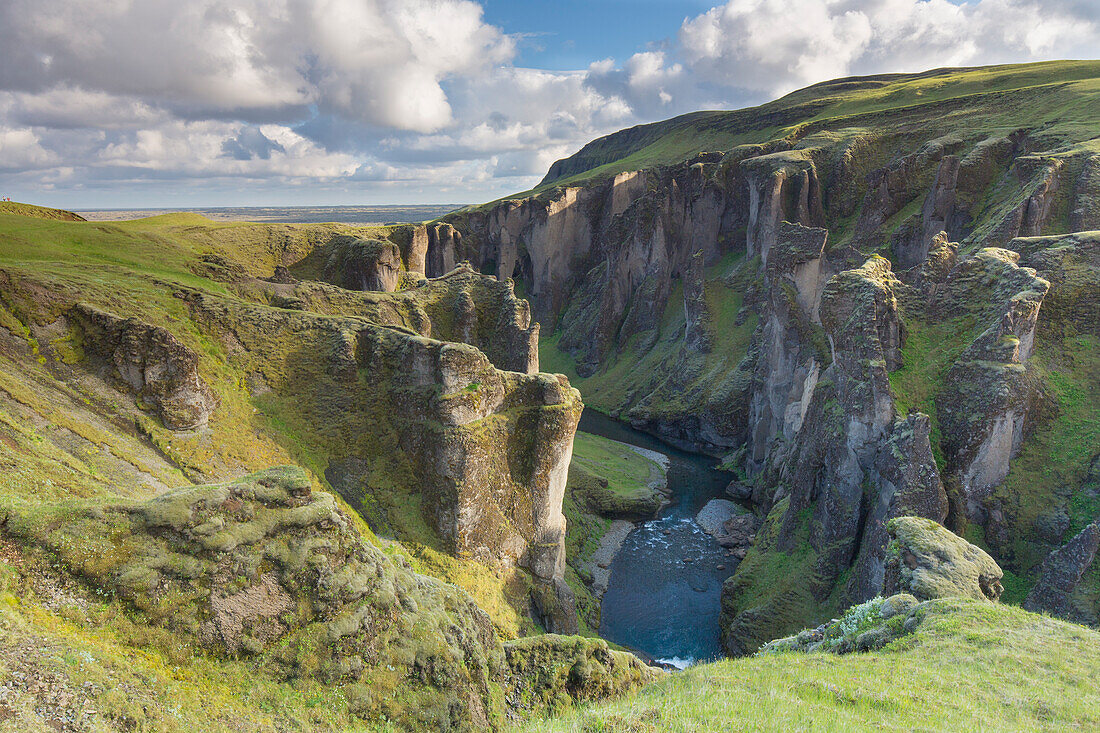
(1062, 98)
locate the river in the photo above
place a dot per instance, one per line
(663, 596)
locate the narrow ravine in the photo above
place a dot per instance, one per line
(663, 596)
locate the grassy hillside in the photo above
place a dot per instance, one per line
(1062, 99)
(969, 666)
(38, 212)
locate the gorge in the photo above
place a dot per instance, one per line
(322, 476)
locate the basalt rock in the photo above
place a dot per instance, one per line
(697, 336)
(729, 524)
(908, 484)
(148, 361)
(363, 264)
(1071, 264)
(929, 561)
(1061, 575)
(985, 402)
(820, 500)
(787, 372)
(783, 187)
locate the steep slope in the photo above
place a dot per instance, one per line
(874, 296)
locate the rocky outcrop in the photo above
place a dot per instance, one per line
(848, 466)
(363, 264)
(907, 483)
(1061, 575)
(794, 349)
(697, 335)
(149, 362)
(443, 245)
(551, 674)
(1085, 216)
(929, 561)
(984, 405)
(487, 314)
(782, 187)
(429, 249)
(486, 450)
(1038, 179)
(730, 525)
(621, 241)
(265, 570)
(1071, 264)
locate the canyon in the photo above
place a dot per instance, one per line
(334, 472)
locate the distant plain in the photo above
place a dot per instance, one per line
(384, 214)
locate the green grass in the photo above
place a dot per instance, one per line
(628, 473)
(1063, 100)
(969, 666)
(929, 351)
(136, 677)
(39, 212)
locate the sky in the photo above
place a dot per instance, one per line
(178, 103)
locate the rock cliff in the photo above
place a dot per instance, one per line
(857, 311)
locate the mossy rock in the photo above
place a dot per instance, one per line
(550, 674)
(929, 561)
(265, 570)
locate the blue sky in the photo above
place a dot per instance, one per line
(325, 102)
(571, 34)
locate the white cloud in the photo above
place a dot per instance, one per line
(421, 98)
(376, 61)
(21, 149)
(775, 46)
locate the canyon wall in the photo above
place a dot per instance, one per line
(831, 444)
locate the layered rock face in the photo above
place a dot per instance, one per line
(601, 260)
(149, 362)
(621, 242)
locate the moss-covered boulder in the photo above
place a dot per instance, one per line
(862, 628)
(363, 264)
(550, 674)
(927, 560)
(264, 569)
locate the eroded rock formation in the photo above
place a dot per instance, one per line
(487, 450)
(1060, 577)
(148, 361)
(363, 264)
